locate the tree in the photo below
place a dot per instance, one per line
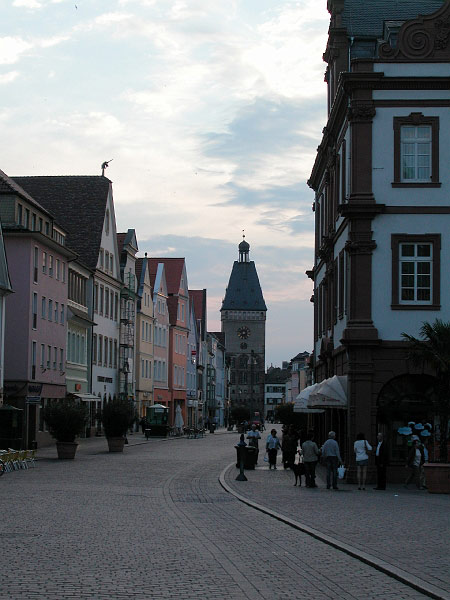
(286, 415)
(433, 349)
(240, 413)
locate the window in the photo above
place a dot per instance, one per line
(56, 312)
(107, 222)
(102, 258)
(35, 264)
(101, 299)
(106, 260)
(116, 305)
(115, 354)
(105, 358)
(94, 348)
(42, 356)
(62, 315)
(47, 228)
(57, 268)
(110, 353)
(40, 224)
(44, 262)
(61, 360)
(19, 214)
(50, 310)
(416, 272)
(33, 359)
(96, 297)
(35, 309)
(106, 302)
(111, 264)
(100, 349)
(64, 272)
(55, 357)
(49, 356)
(50, 265)
(416, 151)
(27, 218)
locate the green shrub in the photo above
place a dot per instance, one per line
(117, 417)
(65, 419)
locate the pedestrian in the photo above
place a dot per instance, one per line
(423, 481)
(289, 447)
(272, 447)
(253, 436)
(332, 456)
(143, 424)
(262, 424)
(415, 460)
(362, 449)
(311, 455)
(381, 462)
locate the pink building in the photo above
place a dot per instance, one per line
(35, 328)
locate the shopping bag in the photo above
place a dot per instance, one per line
(341, 472)
(266, 458)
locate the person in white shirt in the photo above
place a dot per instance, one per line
(362, 449)
(253, 436)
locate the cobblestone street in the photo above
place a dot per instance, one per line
(155, 522)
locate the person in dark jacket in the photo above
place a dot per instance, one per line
(381, 462)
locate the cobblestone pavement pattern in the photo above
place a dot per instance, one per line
(154, 523)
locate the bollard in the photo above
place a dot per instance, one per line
(241, 476)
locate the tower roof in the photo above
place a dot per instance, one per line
(244, 290)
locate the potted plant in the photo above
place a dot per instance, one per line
(433, 349)
(117, 417)
(65, 420)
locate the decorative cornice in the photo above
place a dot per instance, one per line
(424, 38)
(360, 246)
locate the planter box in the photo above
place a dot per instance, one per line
(66, 450)
(437, 476)
(116, 444)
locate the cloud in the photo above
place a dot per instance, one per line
(26, 4)
(12, 48)
(8, 77)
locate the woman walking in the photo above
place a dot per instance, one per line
(362, 449)
(272, 447)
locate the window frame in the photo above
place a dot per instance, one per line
(416, 120)
(435, 241)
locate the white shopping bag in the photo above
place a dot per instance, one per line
(341, 472)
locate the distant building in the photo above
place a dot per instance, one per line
(145, 335)
(161, 391)
(243, 316)
(275, 390)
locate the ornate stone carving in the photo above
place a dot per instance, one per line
(361, 111)
(424, 38)
(360, 247)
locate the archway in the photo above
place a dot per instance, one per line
(402, 399)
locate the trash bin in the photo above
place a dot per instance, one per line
(147, 433)
(250, 456)
(212, 428)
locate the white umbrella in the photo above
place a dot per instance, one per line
(300, 404)
(331, 393)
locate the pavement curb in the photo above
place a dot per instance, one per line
(399, 574)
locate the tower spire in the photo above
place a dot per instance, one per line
(244, 249)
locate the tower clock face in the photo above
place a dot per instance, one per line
(243, 333)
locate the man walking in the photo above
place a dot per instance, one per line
(310, 458)
(332, 455)
(381, 462)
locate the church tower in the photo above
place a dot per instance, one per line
(243, 316)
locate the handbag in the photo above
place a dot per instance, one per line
(341, 472)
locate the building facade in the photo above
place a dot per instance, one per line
(145, 327)
(243, 317)
(381, 209)
(161, 392)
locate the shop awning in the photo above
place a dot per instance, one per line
(87, 397)
(330, 393)
(301, 401)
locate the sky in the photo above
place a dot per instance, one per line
(211, 112)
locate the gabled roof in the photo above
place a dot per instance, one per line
(9, 186)
(220, 337)
(173, 268)
(172, 303)
(198, 301)
(244, 290)
(367, 17)
(78, 203)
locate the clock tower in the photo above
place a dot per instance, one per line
(243, 316)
